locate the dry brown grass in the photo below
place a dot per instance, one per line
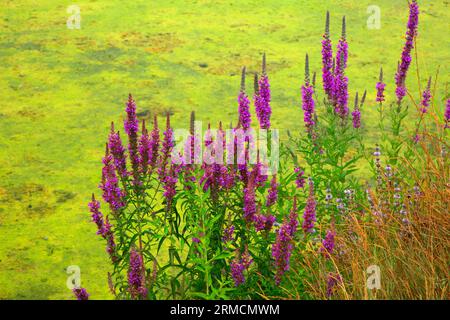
(413, 257)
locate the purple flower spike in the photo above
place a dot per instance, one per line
(244, 105)
(239, 265)
(356, 114)
(380, 88)
(136, 276)
(342, 48)
(333, 280)
(144, 148)
(118, 152)
(262, 97)
(273, 192)
(300, 180)
(327, 60)
(112, 194)
(426, 97)
(328, 243)
(307, 98)
(131, 125)
(447, 114)
(406, 59)
(309, 216)
(284, 244)
(80, 293)
(249, 200)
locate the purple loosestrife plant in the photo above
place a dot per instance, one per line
(328, 243)
(272, 197)
(144, 149)
(154, 144)
(380, 88)
(406, 59)
(327, 60)
(300, 179)
(136, 276)
(118, 152)
(262, 97)
(131, 125)
(309, 216)
(284, 244)
(356, 114)
(112, 193)
(426, 97)
(307, 99)
(447, 114)
(80, 293)
(244, 105)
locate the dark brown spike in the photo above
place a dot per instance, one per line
(112, 126)
(243, 80)
(314, 80)
(307, 69)
(192, 123)
(344, 28)
(255, 83)
(363, 99)
(327, 24)
(381, 75)
(264, 66)
(356, 100)
(155, 122)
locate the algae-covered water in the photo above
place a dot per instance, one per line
(61, 87)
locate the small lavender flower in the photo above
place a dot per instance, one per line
(300, 179)
(356, 114)
(406, 59)
(118, 152)
(273, 192)
(309, 216)
(307, 98)
(328, 243)
(327, 60)
(136, 276)
(426, 97)
(80, 293)
(333, 280)
(380, 87)
(244, 105)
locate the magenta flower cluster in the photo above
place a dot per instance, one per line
(406, 59)
(284, 244)
(136, 276)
